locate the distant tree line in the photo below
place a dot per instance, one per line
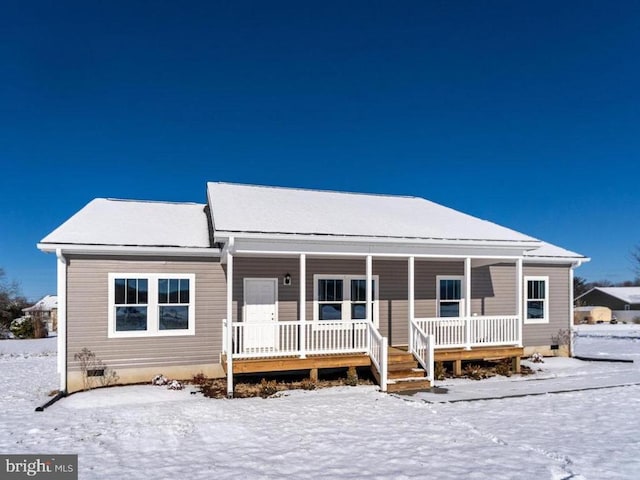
(11, 300)
(581, 285)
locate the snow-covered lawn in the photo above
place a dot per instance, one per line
(344, 432)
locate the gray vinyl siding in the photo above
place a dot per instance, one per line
(542, 334)
(493, 290)
(87, 307)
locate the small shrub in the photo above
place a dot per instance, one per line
(563, 337)
(175, 385)
(94, 371)
(199, 379)
(159, 380)
(28, 327)
(308, 384)
(22, 327)
(439, 371)
(268, 388)
(503, 368)
(475, 372)
(636, 320)
(536, 358)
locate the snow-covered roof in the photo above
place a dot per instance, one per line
(135, 223)
(274, 210)
(546, 250)
(630, 295)
(46, 303)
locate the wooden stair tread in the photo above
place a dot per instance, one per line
(411, 372)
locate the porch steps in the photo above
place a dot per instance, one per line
(404, 373)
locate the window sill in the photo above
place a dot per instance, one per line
(537, 321)
(145, 334)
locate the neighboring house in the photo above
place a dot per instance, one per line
(266, 279)
(591, 315)
(46, 310)
(623, 301)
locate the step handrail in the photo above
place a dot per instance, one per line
(379, 354)
(422, 346)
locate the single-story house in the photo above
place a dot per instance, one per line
(45, 310)
(267, 279)
(623, 301)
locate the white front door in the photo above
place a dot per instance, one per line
(260, 311)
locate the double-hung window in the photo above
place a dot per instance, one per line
(330, 297)
(344, 297)
(144, 304)
(450, 296)
(536, 299)
(131, 304)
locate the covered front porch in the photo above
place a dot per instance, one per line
(434, 307)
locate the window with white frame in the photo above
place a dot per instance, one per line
(344, 297)
(450, 295)
(536, 299)
(151, 304)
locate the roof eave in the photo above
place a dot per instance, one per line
(312, 237)
(83, 249)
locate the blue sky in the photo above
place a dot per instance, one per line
(523, 113)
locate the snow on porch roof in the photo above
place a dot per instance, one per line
(135, 223)
(258, 209)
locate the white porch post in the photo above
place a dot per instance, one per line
(229, 332)
(411, 298)
(369, 311)
(467, 302)
(303, 306)
(519, 293)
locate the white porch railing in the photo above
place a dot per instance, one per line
(422, 348)
(277, 339)
(379, 353)
(282, 339)
(461, 332)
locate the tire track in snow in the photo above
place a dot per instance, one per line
(565, 461)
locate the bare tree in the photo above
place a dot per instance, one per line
(635, 260)
(11, 300)
(580, 286)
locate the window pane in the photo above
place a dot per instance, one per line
(173, 290)
(120, 291)
(358, 311)
(330, 290)
(358, 290)
(142, 290)
(331, 311)
(132, 291)
(184, 290)
(174, 318)
(450, 289)
(449, 309)
(131, 319)
(536, 289)
(163, 290)
(535, 309)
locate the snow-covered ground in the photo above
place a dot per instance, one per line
(344, 432)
